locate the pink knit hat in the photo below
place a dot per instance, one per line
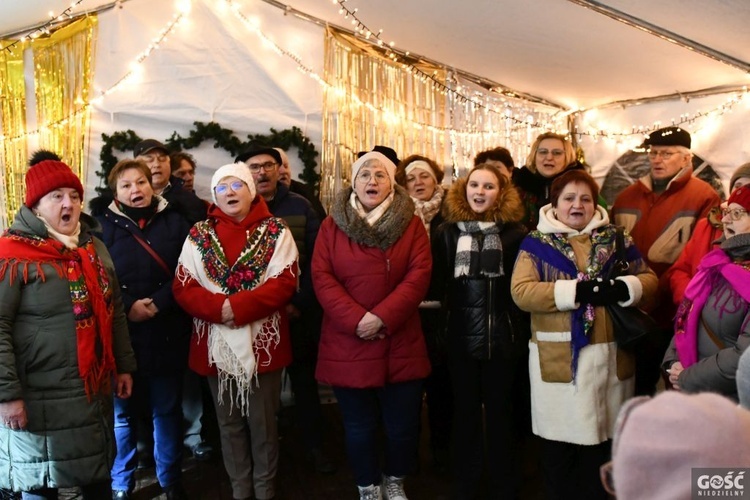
(46, 176)
(658, 442)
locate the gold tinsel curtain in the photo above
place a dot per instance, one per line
(63, 70)
(374, 100)
(13, 119)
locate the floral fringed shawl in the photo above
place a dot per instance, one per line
(555, 260)
(268, 252)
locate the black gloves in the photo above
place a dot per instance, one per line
(600, 292)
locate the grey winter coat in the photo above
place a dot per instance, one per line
(69, 440)
(727, 314)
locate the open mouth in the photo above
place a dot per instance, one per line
(136, 199)
(232, 202)
(371, 192)
(66, 217)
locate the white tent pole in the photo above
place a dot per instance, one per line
(664, 34)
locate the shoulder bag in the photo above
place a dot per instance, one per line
(630, 324)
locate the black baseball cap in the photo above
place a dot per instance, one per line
(148, 145)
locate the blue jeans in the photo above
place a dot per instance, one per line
(399, 406)
(160, 397)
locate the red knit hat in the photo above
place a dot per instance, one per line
(740, 196)
(47, 176)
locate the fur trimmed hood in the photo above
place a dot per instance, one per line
(508, 206)
(386, 231)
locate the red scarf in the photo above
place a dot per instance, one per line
(90, 294)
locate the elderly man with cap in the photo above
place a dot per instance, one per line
(705, 237)
(660, 211)
(156, 156)
(237, 271)
(303, 310)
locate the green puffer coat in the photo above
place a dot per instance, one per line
(69, 440)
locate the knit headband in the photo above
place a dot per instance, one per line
(420, 164)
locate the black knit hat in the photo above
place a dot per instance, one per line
(668, 136)
(385, 151)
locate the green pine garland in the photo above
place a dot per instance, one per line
(223, 138)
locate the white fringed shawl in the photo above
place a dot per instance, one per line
(232, 350)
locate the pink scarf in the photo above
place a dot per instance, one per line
(715, 265)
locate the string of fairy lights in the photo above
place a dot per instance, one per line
(44, 29)
(135, 69)
(361, 29)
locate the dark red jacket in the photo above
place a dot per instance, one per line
(351, 279)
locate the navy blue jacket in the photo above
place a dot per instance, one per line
(302, 219)
(161, 343)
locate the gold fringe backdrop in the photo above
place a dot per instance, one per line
(13, 119)
(63, 72)
(373, 100)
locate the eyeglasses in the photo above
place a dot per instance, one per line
(664, 155)
(234, 185)
(380, 177)
(735, 213)
(555, 152)
(267, 166)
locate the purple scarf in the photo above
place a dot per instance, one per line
(715, 265)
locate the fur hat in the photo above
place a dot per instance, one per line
(238, 170)
(743, 379)
(668, 136)
(47, 176)
(390, 167)
(659, 441)
(742, 171)
(741, 197)
(148, 145)
(272, 152)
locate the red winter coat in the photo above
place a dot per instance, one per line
(352, 278)
(682, 271)
(247, 305)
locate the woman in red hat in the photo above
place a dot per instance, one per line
(63, 343)
(712, 326)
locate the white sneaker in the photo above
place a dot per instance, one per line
(371, 492)
(393, 488)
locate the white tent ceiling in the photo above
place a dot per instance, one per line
(555, 49)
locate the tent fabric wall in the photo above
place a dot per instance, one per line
(211, 68)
